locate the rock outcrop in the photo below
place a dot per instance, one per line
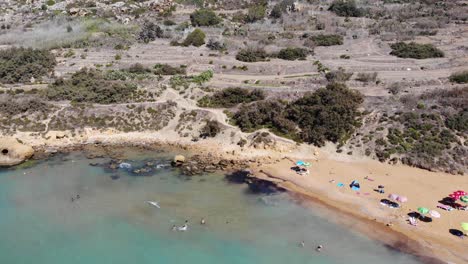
(12, 152)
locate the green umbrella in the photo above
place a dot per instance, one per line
(423, 210)
(464, 226)
(464, 199)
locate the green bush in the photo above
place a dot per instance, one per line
(327, 114)
(366, 77)
(150, 32)
(346, 8)
(280, 8)
(231, 97)
(252, 55)
(265, 114)
(196, 38)
(169, 22)
(20, 64)
(210, 129)
(90, 86)
(202, 77)
(204, 18)
(459, 77)
(339, 75)
(276, 12)
(255, 13)
(415, 50)
(216, 45)
(11, 106)
(293, 54)
(327, 40)
(166, 69)
(458, 121)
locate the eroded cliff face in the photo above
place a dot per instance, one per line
(12, 152)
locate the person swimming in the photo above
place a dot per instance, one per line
(302, 244)
(183, 228)
(319, 248)
(174, 228)
(203, 221)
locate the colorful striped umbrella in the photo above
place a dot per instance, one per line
(423, 210)
(402, 199)
(464, 199)
(464, 226)
(434, 214)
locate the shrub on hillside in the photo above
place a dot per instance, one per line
(264, 114)
(339, 75)
(293, 54)
(280, 8)
(327, 40)
(255, 13)
(252, 55)
(415, 50)
(90, 86)
(276, 12)
(346, 8)
(231, 97)
(204, 18)
(21, 64)
(166, 69)
(367, 77)
(210, 129)
(11, 106)
(215, 45)
(328, 114)
(196, 38)
(459, 77)
(458, 121)
(150, 32)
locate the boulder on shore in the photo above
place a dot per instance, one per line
(13, 153)
(178, 160)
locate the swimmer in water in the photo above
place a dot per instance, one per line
(203, 221)
(174, 228)
(302, 244)
(319, 248)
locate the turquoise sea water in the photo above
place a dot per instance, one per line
(111, 223)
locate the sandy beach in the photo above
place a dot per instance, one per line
(423, 189)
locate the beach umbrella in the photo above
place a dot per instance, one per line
(434, 214)
(464, 226)
(402, 199)
(423, 210)
(464, 199)
(393, 196)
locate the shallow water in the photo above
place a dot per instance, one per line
(111, 223)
